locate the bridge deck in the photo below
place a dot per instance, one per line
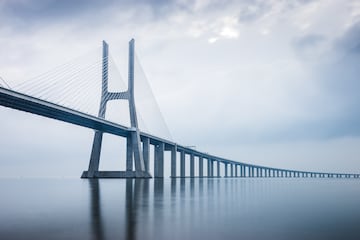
(23, 102)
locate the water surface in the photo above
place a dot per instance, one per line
(197, 208)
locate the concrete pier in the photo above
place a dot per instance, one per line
(209, 168)
(201, 167)
(182, 164)
(146, 153)
(159, 160)
(129, 154)
(218, 168)
(192, 165)
(173, 160)
(226, 170)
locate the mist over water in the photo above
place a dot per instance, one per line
(180, 209)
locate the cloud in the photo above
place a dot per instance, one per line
(31, 15)
(309, 41)
(350, 41)
(254, 10)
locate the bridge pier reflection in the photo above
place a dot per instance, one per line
(95, 210)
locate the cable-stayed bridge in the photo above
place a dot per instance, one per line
(56, 95)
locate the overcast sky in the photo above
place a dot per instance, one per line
(264, 82)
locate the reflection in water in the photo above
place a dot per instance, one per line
(214, 209)
(130, 209)
(96, 218)
(180, 209)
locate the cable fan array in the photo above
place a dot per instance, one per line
(77, 85)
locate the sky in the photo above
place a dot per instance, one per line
(264, 82)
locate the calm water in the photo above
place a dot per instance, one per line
(180, 209)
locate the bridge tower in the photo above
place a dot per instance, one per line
(134, 150)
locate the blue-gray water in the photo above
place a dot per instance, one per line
(180, 209)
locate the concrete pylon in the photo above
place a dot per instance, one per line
(134, 146)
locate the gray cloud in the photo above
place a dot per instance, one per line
(27, 15)
(308, 41)
(350, 41)
(254, 10)
(336, 72)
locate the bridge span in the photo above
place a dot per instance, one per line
(138, 142)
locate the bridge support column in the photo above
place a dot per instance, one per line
(192, 165)
(95, 155)
(208, 168)
(236, 170)
(146, 153)
(218, 169)
(201, 166)
(182, 164)
(159, 161)
(226, 169)
(231, 170)
(129, 154)
(173, 161)
(211, 167)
